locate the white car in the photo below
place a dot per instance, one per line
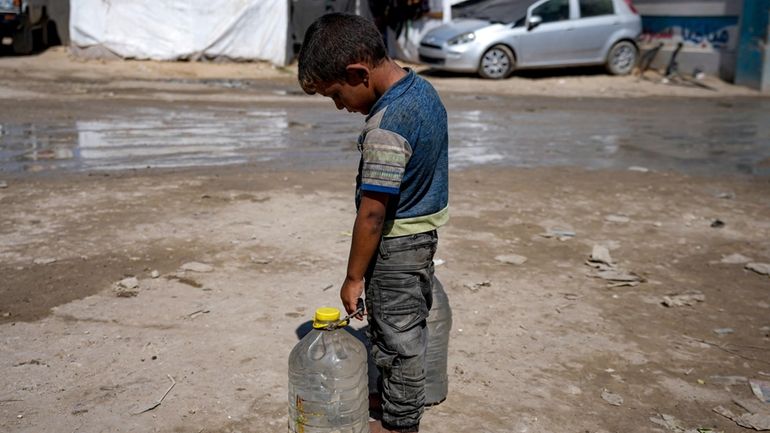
(500, 35)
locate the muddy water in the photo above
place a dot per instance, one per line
(700, 136)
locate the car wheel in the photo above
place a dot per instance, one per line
(622, 58)
(23, 39)
(497, 62)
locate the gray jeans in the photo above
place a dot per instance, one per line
(398, 298)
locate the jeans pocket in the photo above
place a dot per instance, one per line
(400, 301)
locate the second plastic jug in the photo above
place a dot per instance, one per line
(439, 323)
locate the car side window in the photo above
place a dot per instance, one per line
(553, 10)
(595, 8)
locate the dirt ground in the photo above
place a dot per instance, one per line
(534, 347)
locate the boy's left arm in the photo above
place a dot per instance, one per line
(367, 232)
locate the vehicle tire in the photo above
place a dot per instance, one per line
(622, 58)
(497, 63)
(24, 39)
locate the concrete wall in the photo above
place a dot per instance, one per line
(707, 8)
(753, 66)
(709, 30)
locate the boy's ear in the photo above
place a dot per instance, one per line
(357, 73)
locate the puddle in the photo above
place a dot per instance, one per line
(703, 137)
(165, 139)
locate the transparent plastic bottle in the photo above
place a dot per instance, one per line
(439, 323)
(328, 380)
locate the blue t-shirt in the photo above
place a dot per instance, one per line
(404, 152)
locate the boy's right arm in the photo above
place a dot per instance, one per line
(367, 231)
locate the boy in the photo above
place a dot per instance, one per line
(401, 199)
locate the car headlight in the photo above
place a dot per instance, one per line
(462, 39)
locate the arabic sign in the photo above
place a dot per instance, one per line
(707, 33)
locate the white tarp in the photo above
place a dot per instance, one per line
(183, 29)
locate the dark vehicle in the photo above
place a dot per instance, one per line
(25, 25)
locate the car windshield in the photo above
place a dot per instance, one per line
(496, 11)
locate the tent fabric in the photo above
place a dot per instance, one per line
(183, 29)
(505, 11)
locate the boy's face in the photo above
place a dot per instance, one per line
(355, 94)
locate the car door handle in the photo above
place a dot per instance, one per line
(569, 29)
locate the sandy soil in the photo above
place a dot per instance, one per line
(533, 346)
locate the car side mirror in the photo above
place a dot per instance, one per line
(534, 21)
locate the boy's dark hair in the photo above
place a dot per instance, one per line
(333, 42)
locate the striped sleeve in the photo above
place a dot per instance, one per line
(385, 155)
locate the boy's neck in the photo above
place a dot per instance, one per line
(385, 75)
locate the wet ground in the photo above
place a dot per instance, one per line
(290, 130)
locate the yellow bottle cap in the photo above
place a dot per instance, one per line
(325, 316)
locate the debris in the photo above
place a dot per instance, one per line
(3, 184)
(685, 299)
(32, 362)
(600, 254)
(623, 284)
(197, 267)
(617, 218)
(128, 283)
(735, 259)
(154, 274)
(184, 280)
(601, 260)
(6, 314)
(560, 234)
(126, 293)
(261, 260)
(438, 262)
(44, 260)
(717, 224)
(511, 259)
(618, 275)
(327, 287)
(638, 168)
(748, 419)
(727, 195)
(197, 313)
(760, 268)
(669, 422)
(761, 389)
(724, 331)
(476, 286)
(79, 409)
(160, 400)
(612, 398)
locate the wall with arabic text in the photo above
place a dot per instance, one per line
(708, 30)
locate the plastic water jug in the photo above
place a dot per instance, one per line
(328, 380)
(439, 323)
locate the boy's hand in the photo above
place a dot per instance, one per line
(350, 292)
